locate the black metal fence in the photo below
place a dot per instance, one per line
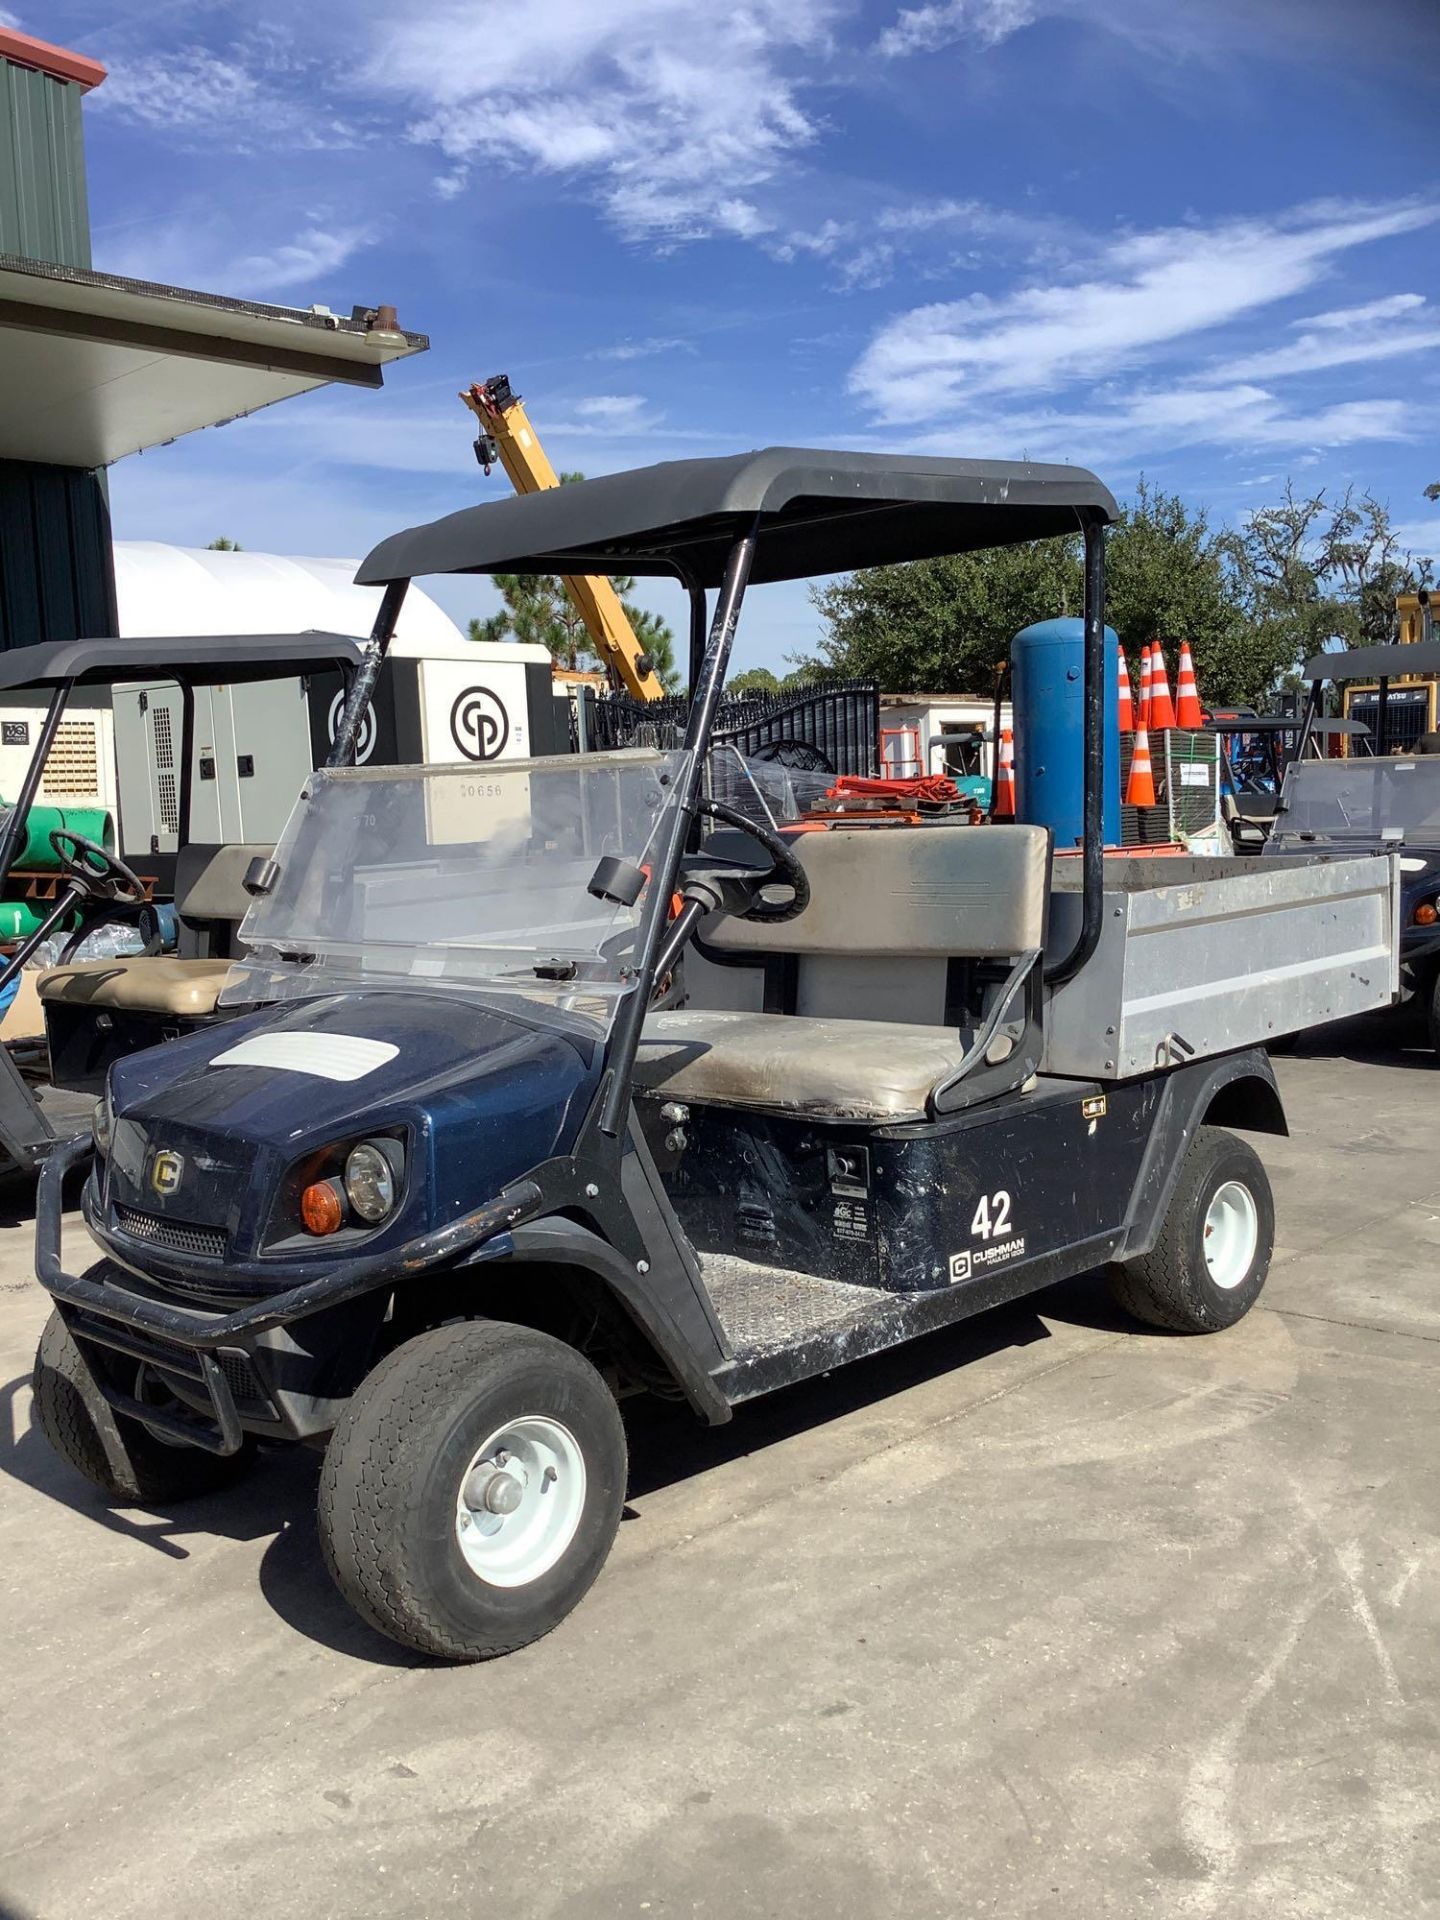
(833, 728)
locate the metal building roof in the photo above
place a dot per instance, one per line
(94, 366)
(820, 512)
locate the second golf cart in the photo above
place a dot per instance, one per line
(565, 1079)
(1383, 795)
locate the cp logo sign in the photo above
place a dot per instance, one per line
(365, 745)
(479, 724)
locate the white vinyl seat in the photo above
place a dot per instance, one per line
(861, 1069)
(881, 903)
(211, 901)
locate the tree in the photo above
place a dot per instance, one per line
(1169, 577)
(224, 545)
(1252, 603)
(941, 625)
(1308, 572)
(538, 611)
(753, 680)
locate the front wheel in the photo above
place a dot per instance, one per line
(1210, 1260)
(472, 1489)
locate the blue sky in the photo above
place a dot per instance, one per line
(1193, 238)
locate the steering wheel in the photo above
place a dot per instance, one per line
(785, 869)
(101, 874)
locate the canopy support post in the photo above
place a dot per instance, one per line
(704, 698)
(1092, 856)
(342, 753)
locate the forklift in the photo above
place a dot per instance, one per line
(559, 1081)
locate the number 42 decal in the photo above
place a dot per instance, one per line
(992, 1216)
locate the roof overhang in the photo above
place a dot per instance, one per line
(93, 366)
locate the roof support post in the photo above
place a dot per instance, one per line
(1092, 855)
(704, 698)
(342, 753)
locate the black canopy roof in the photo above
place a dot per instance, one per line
(819, 513)
(201, 660)
(1375, 663)
(1287, 723)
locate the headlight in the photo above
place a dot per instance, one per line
(370, 1181)
(102, 1125)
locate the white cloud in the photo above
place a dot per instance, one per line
(198, 252)
(675, 116)
(615, 410)
(1351, 336)
(1147, 292)
(246, 97)
(306, 258)
(642, 349)
(923, 29)
(1146, 422)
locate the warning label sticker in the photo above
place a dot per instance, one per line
(851, 1220)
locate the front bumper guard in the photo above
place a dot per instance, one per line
(119, 1320)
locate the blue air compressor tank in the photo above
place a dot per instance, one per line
(1047, 696)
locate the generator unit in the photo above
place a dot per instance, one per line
(255, 743)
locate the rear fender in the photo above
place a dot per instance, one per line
(1237, 1091)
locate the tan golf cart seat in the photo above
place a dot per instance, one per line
(210, 903)
(862, 1022)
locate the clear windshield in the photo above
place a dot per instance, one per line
(1394, 800)
(461, 875)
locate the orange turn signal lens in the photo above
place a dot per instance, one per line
(321, 1208)
(1425, 914)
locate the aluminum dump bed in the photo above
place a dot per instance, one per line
(1199, 956)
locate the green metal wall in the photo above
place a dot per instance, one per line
(44, 213)
(57, 579)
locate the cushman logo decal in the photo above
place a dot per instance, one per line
(166, 1171)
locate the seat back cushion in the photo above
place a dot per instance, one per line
(210, 896)
(979, 892)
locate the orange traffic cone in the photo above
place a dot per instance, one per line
(1127, 706)
(1188, 711)
(1140, 787)
(1162, 708)
(1004, 803)
(1145, 685)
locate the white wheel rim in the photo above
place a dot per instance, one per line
(520, 1500)
(1232, 1233)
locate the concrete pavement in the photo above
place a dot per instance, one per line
(1043, 1615)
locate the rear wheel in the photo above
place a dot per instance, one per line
(1210, 1260)
(472, 1489)
(128, 1463)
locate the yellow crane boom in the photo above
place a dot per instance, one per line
(507, 435)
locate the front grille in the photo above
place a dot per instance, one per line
(180, 1236)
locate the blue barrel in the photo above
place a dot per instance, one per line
(1048, 697)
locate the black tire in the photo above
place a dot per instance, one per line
(1171, 1286)
(129, 1465)
(1432, 1009)
(396, 1463)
